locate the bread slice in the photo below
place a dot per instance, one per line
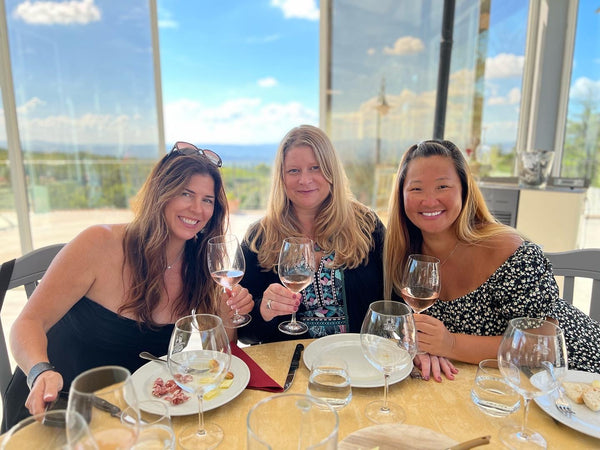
(575, 390)
(591, 398)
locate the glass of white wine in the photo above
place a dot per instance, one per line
(296, 271)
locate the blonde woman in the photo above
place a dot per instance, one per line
(116, 290)
(489, 273)
(310, 197)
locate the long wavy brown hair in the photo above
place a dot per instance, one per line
(146, 237)
(343, 224)
(474, 224)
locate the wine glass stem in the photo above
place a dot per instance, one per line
(386, 378)
(525, 413)
(293, 319)
(201, 427)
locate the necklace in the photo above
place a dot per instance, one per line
(175, 260)
(451, 253)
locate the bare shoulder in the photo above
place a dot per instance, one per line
(500, 247)
(98, 239)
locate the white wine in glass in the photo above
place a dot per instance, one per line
(296, 271)
(388, 338)
(226, 264)
(199, 358)
(532, 358)
(421, 282)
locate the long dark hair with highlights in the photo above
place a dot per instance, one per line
(146, 237)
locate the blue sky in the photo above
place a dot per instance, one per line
(233, 71)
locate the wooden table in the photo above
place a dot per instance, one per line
(443, 407)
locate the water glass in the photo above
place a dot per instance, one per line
(292, 421)
(329, 381)
(156, 429)
(491, 393)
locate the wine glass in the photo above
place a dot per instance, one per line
(226, 264)
(199, 357)
(296, 271)
(47, 431)
(156, 428)
(99, 395)
(421, 282)
(388, 337)
(532, 358)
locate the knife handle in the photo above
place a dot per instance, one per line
(296, 357)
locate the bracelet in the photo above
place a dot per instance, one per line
(36, 371)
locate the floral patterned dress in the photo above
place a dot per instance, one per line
(523, 286)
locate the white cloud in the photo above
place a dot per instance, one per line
(167, 23)
(30, 105)
(405, 46)
(58, 13)
(267, 82)
(504, 65)
(371, 51)
(298, 9)
(512, 98)
(585, 89)
(240, 121)
(500, 131)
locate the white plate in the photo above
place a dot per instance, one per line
(347, 346)
(584, 420)
(393, 436)
(144, 377)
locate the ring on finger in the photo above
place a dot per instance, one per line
(269, 303)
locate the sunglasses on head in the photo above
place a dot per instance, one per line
(187, 149)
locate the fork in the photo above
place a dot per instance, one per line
(562, 404)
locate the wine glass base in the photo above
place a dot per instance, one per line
(392, 413)
(293, 328)
(241, 320)
(521, 438)
(191, 438)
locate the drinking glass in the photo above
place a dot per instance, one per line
(199, 357)
(388, 338)
(491, 393)
(421, 282)
(226, 265)
(47, 431)
(329, 381)
(292, 422)
(296, 271)
(156, 429)
(99, 395)
(533, 360)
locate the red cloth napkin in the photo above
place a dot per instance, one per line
(258, 377)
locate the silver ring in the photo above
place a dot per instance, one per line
(269, 303)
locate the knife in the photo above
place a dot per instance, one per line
(293, 366)
(114, 410)
(483, 440)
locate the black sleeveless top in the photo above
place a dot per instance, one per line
(88, 336)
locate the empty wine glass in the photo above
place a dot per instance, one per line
(532, 358)
(421, 282)
(199, 357)
(388, 338)
(226, 264)
(296, 271)
(99, 395)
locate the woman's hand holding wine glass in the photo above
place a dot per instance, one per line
(199, 358)
(296, 270)
(388, 338)
(532, 358)
(226, 264)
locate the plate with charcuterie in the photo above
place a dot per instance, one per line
(153, 381)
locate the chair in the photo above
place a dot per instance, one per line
(27, 271)
(583, 263)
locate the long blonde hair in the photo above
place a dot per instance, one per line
(146, 236)
(343, 224)
(474, 224)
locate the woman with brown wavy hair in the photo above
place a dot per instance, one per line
(116, 290)
(489, 273)
(310, 197)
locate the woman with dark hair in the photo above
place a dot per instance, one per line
(489, 273)
(116, 290)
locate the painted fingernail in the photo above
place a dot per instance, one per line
(426, 378)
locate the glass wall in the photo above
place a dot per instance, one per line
(384, 62)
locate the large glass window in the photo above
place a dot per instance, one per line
(384, 65)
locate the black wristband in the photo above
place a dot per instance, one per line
(36, 371)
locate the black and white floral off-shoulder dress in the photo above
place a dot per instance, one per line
(523, 286)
